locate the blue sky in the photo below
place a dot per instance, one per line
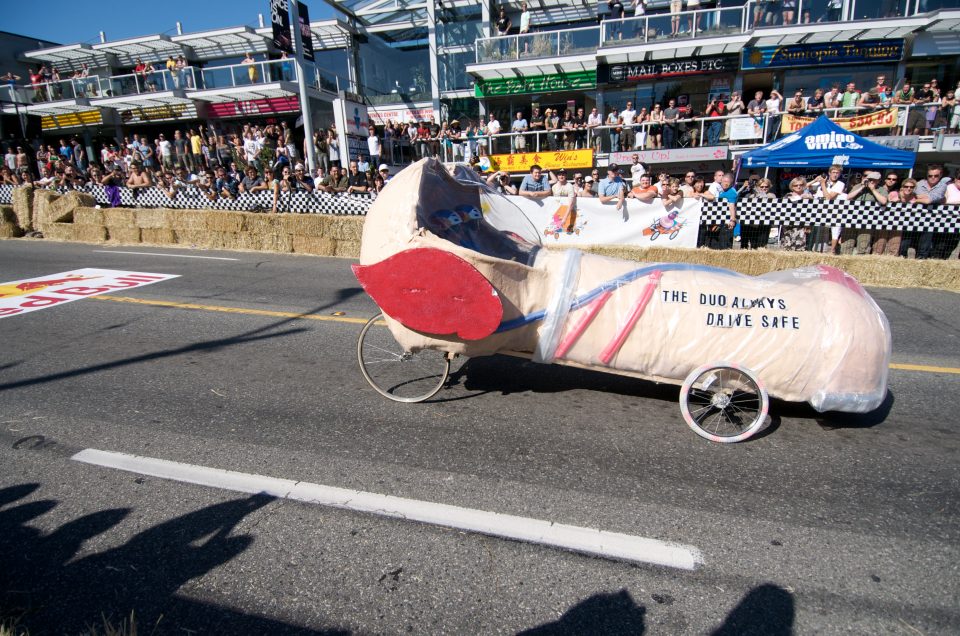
(72, 21)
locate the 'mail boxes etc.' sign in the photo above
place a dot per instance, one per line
(640, 71)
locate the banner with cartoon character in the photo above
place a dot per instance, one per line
(586, 221)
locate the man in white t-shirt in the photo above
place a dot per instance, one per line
(637, 170)
(251, 150)
(829, 187)
(166, 151)
(595, 119)
(627, 137)
(373, 145)
(493, 128)
(774, 108)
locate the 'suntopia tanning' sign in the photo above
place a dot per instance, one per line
(754, 57)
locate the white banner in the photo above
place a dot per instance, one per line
(407, 115)
(31, 294)
(744, 128)
(671, 155)
(595, 223)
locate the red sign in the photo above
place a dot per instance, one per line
(270, 106)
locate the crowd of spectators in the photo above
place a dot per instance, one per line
(671, 190)
(218, 163)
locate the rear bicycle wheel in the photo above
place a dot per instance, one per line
(723, 403)
(393, 372)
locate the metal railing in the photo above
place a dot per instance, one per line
(538, 45)
(700, 23)
(151, 82)
(249, 74)
(686, 24)
(649, 135)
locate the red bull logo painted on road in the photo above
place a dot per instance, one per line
(23, 296)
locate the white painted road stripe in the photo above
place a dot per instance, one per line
(209, 258)
(610, 545)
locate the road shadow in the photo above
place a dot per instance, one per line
(832, 420)
(766, 610)
(508, 374)
(254, 335)
(599, 615)
(45, 588)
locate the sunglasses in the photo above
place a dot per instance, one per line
(906, 187)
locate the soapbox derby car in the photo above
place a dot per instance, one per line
(456, 269)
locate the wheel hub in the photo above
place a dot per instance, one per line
(720, 400)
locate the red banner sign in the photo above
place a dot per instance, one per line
(253, 107)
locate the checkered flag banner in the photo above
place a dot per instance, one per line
(852, 214)
(193, 198)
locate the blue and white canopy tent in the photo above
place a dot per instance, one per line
(821, 144)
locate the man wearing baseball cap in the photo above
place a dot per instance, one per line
(384, 171)
(613, 188)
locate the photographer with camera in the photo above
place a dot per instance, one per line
(500, 181)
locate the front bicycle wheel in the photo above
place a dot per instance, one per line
(395, 373)
(723, 403)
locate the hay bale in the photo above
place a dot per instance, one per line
(319, 246)
(62, 208)
(262, 223)
(9, 230)
(89, 233)
(119, 217)
(303, 224)
(204, 238)
(22, 201)
(276, 242)
(122, 234)
(191, 220)
(152, 218)
(42, 214)
(344, 228)
(157, 236)
(59, 231)
(221, 221)
(88, 216)
(347, 249)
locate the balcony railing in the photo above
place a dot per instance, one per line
(649, 135)
(702, 23)
(538, 45)
(54, 91)
(249, 74)
(142, 83)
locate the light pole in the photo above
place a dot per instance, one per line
(302, 83)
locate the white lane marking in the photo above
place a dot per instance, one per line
(610, 545)
(209, 258)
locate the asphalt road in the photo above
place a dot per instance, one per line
(818, 525)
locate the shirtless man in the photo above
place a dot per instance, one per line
(138, 179)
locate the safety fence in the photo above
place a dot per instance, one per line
(194, 198)
(853, 227)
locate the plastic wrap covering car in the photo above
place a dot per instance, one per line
(457, 268)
